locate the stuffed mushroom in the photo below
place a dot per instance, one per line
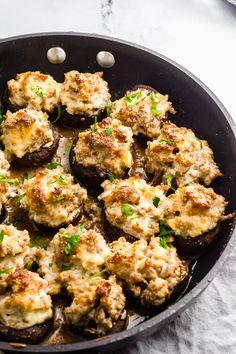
(102, 152)
(25, 308)
(32, 90)
(52, 198)
(143, 109)
(148, 271)
(133, 208)
(83, 96)
(193, 214)
(180, 155)
(28, 137)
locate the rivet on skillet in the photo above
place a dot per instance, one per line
(105, 59)
(56, 55)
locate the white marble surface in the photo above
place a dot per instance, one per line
(200, 35)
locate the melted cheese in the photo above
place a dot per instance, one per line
(113, 152)
(34, 90)
(52, 198)
(194, 210)
(144, 115)
(136, 194)
(148, 271)
(84, 93)
(26, 131)
(178, 152)
(28, 303)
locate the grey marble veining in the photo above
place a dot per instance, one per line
(200, 35)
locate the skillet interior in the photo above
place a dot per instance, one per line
(196, 108)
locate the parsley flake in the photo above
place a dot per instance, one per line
(109, 109)
(20, 197)
(112, 178)
(94, 127)
(200, 142)
(131, 99)
(164, 232)
(58, 114)
(127, 209)
(39, 242)
(38, 90)
(98, 274)
(58, 198)
(169, 179)
(28, 265)
(155, 96)
(108, 131)
(1, 236)
(25, 176)
(53, 165)
(6, 271)
(7, 180)
(168, 142)
(156, 201)
(65, 267)
(72, 240)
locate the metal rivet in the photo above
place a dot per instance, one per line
(105, 59)
(56, 55)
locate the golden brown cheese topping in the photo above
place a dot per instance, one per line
(4, 175)
(34, 90)
(143, 111)
(98, 301)
(106, 145)
(179, 153)
(149, 271)
(194, 210)
(84, 93)
(27, 303)
(25, 131)
(134, 206)
(74, 253)
(52, 198)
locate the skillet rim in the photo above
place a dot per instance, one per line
(173, 310)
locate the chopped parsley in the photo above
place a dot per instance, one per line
(28, 265)
(7, 180)
(155, 96)
(112, 178)
(60, 180)
(72, 240)
(169, 179)
(98, 274)
(127, 210)
(1, 116)
(94, 127)
(19, 198)
(108, 131)
(109, 109)
(200, 142)
(38, 91)
(1, 236)
(132, 99)
(58, 198)
(53, 165)
(156, 201)
(168, 142)
(58, 114)
(65, 267)
(39, 242)
(69, 144)
(25, 176)
(6, 271)
(164, 232)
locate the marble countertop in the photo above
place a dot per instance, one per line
(201, 36)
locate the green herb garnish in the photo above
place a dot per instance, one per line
(94, 127)
(156, 201)
(58, 114)
(53, 165)
(155, 101)
(1, 116)
(132, 99)
(168, 142)
(112, 178)
(19, 198)
(1, 236)
(65, 267)
(98, 274)
(164, 232)
(127, 210)
(60, 180)
(38, 242)
(7, 180)
(6, 271)
(72, 240)
(25, 176)
(69, 144)
(109, 109)
(200, 142)
(28, 265)
(169, 179)
(108, 131)
(38, 91)
(58, 198)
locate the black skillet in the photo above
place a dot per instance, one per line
(197, 108)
